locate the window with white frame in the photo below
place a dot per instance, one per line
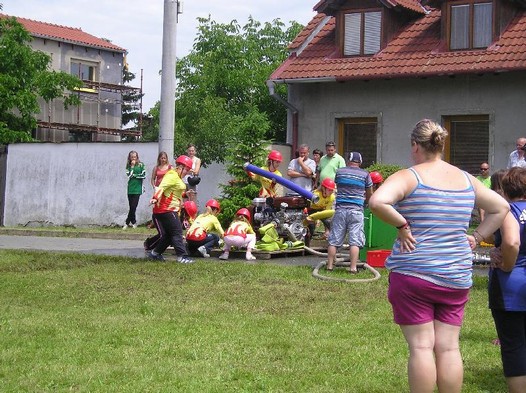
(362, 33)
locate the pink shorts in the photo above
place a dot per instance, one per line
(416, 301)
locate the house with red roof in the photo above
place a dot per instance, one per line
(363, 72)
(99, 63)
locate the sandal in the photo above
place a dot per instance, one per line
(329, 270)
(352, 271)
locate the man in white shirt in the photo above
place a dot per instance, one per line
(301, 169)
(517, 156)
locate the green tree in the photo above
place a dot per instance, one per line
(222, 80)
(24, 77)
(130, 99)
(247, 145)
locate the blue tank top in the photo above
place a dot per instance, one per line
(507, 291)
(439, 220)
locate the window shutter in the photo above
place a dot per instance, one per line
(353, 34)
(359, 134)
(373, 27)
(469, 143)
(482, 32)
(459, 27)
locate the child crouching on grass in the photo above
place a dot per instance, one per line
(240, 234)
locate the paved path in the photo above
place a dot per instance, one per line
(118, 247)
(134, 249)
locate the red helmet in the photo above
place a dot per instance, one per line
(184, 160)
(328, 183)
(213, 203)
(243, 212)
(191, 208)
(376, 177)
(275, 155)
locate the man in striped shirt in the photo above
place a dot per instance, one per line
(354, 188)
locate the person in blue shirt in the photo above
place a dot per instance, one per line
(507, 281)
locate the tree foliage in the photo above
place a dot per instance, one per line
(223, 80)
(248, 145)
(25, 76)
(130, 99)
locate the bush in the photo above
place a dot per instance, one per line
(385, 170)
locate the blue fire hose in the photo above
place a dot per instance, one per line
(281, 180)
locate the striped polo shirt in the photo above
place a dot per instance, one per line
(439, 221)
(351, 183)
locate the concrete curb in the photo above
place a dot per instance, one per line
(80, 234)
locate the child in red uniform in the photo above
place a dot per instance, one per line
(240, 234)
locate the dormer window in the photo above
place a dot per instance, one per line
(470, 25)
(362, 33)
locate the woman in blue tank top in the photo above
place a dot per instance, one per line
(430, 264)
(507, 281)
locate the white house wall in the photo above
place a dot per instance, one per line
(399, 104)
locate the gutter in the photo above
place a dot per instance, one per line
(292, 108)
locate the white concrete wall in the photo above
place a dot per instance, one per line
(82, 184)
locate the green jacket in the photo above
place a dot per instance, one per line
(135, 177)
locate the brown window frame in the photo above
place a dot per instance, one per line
(362, 13)
(471, 28)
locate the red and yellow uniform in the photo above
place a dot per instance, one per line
(169, 193)
(268, 186)
(324, 203)
(203, 224)
(239, 228)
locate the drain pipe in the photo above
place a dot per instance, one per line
(292, 108)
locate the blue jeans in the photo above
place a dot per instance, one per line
(211, 241)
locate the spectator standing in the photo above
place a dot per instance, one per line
(517, 156)
(301, 169)
(163, 165)
(431, 261)
(330, 163)
(136, 172)
(485, 179)
(485, 176)
(191, 186)
(167, 201)
(205, 231)
(316, 156)
(354, 186)
(507, 282)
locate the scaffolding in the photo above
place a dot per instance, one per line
(86, 94)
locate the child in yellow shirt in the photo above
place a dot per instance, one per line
(205, 231)
(240, 234)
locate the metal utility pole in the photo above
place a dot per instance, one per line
(167, 113)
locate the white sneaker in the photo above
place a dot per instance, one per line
(125, 227)
(202, 251)
(250, 257)
(134, 226)
(224, 256)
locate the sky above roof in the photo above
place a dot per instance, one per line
(137, 25)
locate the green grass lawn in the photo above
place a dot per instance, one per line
(81, 323)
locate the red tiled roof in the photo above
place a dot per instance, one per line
(416, 51)
(64, 34)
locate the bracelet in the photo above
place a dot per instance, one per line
(405, 225)
(480, 236)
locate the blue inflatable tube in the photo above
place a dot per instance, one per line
(281, 180)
